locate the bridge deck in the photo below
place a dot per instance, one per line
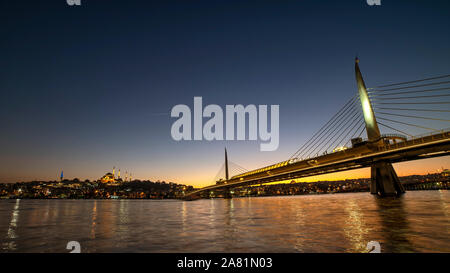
(359, 157)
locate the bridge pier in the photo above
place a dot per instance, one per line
(227, 193)
(384, 180)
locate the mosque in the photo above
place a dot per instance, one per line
(110, 177)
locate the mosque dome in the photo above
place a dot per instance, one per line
(108, 178)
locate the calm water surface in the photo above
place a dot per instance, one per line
(417, 222)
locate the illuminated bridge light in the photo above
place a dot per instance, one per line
(265, 169)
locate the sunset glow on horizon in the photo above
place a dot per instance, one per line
(201, 177)
(86, 95)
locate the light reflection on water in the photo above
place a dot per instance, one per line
(417, 222)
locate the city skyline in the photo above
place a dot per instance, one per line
(91, 87)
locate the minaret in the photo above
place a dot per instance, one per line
(118, 177)
(130, 177)
(114, 171)
(126, 176)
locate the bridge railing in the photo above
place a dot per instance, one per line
(430, 133)
(416, 140)
(394, 136)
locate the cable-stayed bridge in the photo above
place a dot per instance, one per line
(412, 116)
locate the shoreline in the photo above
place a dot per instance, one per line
(180, 199)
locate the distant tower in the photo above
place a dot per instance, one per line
(114, 171)
(118, 177)
(227, 193)
(126, 176)
(130, 177)
(62, 176)
(226, 165)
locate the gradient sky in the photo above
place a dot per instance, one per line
(90, 87)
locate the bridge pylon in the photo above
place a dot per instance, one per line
(226, 193)
(384, 179)
(226, 166)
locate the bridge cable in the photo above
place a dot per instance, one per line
(233, 166)
(218, 175)
(353, 119)
(345, 130)
(408, 116)
(408, 87)
(351, 130)
(231, 169)
(401, 83)
(374, 93)
(359, 135)
(394, 129)
(244, 169)
(237, 167)
(323, 127)
(326, 133)
(333, 131)
(413, 97)
(238, 170)
(347, 120)
(410, 109)
(320, 133)
(433, 102)
(400, 122)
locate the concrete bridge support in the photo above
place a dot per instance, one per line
(227, 193)
(384, 180)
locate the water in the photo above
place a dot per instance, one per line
(417, 222)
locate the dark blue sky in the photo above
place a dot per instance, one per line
(90, 87)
